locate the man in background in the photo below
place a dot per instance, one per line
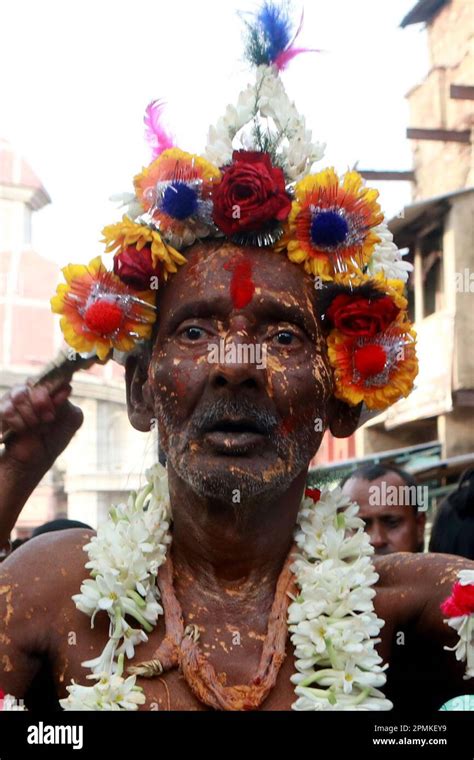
(453, 526)
(391, 506)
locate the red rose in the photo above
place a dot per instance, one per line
(461, 601)
(312, 493)
(136, 268)
(361, 316)
(252, 190)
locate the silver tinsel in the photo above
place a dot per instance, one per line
(261, 239)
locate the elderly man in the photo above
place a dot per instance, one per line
(388, 504)
(279, 310)
(224, 427)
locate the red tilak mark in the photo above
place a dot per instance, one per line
(242, 286)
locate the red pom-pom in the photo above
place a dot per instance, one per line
(103, 317)
(370, 360)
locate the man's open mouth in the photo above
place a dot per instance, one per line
(234, 436)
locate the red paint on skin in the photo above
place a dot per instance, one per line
(290, 423)
(242, 286)
(180, 385)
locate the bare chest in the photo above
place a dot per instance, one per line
(231, 644)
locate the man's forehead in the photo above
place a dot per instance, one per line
(254, 281)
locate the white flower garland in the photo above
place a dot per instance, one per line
(124, 558)
(333, 623)
(332, 620)
(267, 98)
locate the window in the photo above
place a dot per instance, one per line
(432, 253)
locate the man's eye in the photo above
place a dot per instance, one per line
(193, 333)
(285, 338)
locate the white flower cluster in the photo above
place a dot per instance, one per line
(464, 625)
(387, 258)
(124, 558)
(267, 98)
(9, 703)
(332, 621)
(111, 692)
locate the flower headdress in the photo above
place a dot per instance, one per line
(255, 184)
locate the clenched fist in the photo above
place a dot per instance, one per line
(42, 422)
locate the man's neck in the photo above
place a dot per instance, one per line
(222, 546)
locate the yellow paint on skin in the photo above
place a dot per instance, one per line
(7, 665)
(258, 636)
(9, 607)
(274, 364)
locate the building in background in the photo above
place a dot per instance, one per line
(107, 457)
(438, 230)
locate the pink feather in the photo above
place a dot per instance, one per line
(283, 59)
(156, 135)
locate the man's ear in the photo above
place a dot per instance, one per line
(343, 419)
(139, 402)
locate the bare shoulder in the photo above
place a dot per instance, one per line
(38, 576)
(36, 585)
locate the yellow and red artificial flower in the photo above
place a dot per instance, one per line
(371, 345)
(101, 313)
(175, 191)
(139, 252)
(251, 200)
(377, 369)
(331, 224)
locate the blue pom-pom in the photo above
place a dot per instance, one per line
(328, 229)
(276, 28)
(179, 200)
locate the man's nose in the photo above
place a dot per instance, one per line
(377, 536)
(240, 363)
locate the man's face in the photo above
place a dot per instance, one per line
(390, 528)
(239, 376)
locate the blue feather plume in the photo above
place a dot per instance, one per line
(269, 33)
(276, 28)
